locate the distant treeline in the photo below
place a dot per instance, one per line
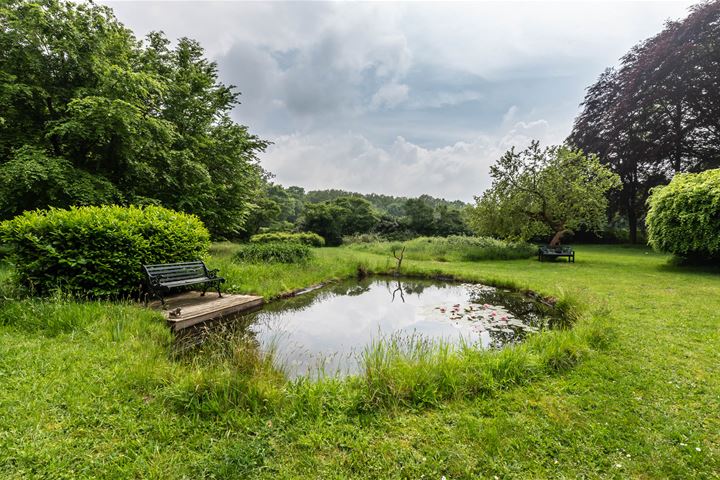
(338, 213)
(384, 203)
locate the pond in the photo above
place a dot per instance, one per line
(325, 331)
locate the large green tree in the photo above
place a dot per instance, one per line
(341, 216)
(91, 115)
(420, 215)
(544, 191)
(657, 114)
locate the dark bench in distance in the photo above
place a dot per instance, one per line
(555, 252)
(164, 277)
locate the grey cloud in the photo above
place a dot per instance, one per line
(399, 98)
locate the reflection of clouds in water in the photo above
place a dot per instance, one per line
(325, 331)
(328, 329)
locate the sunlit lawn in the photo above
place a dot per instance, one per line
(96, 393)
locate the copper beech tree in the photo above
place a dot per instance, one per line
(544, 191)
(656, 114)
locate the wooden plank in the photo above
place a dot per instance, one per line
(195, 309)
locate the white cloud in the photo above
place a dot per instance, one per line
(351, 161)
(389, 95)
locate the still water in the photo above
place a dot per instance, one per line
(324, 332)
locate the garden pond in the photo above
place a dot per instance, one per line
(326, 330)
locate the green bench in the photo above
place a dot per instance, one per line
(555, 252)
(164, 277)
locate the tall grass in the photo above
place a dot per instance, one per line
(274, 279)
(415, 372)
(452, 248)
(274, 252)
(61, 314)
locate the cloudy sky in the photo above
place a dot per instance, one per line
(404, 98)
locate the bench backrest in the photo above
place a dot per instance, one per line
(563, 249)
(171, 272)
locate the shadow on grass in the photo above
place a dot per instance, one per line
(691, 265)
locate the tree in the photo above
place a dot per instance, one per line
(656, 115)
(325, 219)
(358, 215)
(684, 216)
(449, 221)
(550, 191)
(337, 218)
(420, 215)
(116, 120)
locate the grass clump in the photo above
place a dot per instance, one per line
(306, 238)
(274, 252)
(416, 372)
(453, 248)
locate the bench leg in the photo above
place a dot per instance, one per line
(153, 293)
(218, 289)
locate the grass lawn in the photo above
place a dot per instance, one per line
(93, 389)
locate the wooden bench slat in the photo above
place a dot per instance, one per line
(180, 269)
(176, 264)
(163, 277)
(554, 252)
(189, 281)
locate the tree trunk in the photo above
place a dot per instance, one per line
(677, 151)
(632, 221)
(556, 239)
(632, 212)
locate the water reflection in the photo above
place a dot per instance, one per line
(326, 330)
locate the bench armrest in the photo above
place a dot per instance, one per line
(213, 272)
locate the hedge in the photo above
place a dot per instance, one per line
(684, 217)
(307, 238)
(99, 251)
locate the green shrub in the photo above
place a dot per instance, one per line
(5, 251)
(684, 217)
(99, 251)
(280, 252)
(453, 248)
(306, 238)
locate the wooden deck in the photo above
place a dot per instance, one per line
(195, 309)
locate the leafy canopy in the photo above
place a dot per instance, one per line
(90, 115)
(546, 191)
(99, 251)
(657, 113)
(336, 218)
(684, 217)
